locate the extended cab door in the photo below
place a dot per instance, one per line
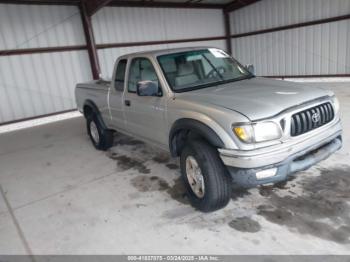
(145, 115)
(116, 102)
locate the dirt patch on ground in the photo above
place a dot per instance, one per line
(161, 158)
(178, 192)
(125, 163)
(149, 183)
(245, 224)
(164, 158)
(322, 210)
(153, 183)
(137, 154)
(122, 140)
(284, 185)
(239, 193)
(172, 166)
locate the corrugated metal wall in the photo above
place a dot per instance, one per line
(121, 25)
(37, 84)
(313, 50)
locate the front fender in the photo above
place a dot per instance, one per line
(203, 126)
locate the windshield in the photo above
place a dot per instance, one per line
(200, 68)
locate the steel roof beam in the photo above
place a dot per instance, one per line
(164, 4)
(41, 2)
(237, 4)
(92, 6)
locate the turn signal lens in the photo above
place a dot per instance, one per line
(245, 133)
(241, 133)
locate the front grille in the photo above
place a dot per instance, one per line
(312, 118)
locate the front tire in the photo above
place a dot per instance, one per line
(102, 139)
(207, 181)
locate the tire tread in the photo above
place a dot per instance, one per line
(106, 135)
(220, 183)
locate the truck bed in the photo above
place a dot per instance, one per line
(96, 91)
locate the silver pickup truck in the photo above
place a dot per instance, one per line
(227, 126)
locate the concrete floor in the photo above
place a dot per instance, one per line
(61, 196)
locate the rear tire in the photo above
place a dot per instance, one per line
(217, 186)
(102, 139)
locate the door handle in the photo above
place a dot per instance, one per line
(127, 102)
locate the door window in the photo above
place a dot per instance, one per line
(120, 75)
(141, 69)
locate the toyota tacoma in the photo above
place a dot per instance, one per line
(229, 127)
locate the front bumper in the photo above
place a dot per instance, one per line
(303, 160)
(286, 159)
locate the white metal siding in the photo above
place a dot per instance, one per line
(30, 26)
(108, 56)
(37, 84)
(273, 13)
(123, 24)
(313, 50)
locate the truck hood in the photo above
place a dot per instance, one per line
(256, 98)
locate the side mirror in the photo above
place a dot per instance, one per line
(250, 68)
(148, 88)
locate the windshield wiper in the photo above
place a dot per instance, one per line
(235, 79)
(191, 88)
(214, 68)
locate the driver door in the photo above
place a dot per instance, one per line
(116, 96)
(145, 115)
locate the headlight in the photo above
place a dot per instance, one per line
(336, 105)
(258, 132)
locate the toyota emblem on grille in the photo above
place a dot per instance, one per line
(315, 117)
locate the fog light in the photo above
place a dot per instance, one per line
(266, 173)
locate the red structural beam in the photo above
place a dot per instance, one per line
(307, 76)
(293, 26)
(92, 6)
(165, 4)
(158, 42)
(39, 50)
(117, 3)
(227, 26)
(237, 4)
(41, 2)
(90, 42)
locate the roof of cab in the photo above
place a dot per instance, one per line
(164, 51)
